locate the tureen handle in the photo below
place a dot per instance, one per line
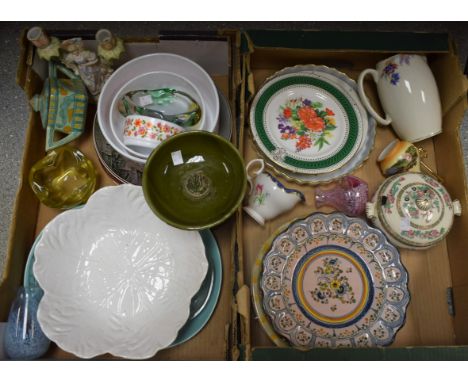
(457, 210)
(371, 210)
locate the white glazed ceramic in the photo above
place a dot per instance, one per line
(116, 279)
(268, 197)
(163, 62)
(142, 134)
(152, 80)
(349, 87)
(408, 94)
(413, 209)
(304, 123)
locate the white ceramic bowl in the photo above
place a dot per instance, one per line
(116, 280)
(151, 63)
(150, 81)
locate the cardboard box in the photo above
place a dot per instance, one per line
(218, 54)
(438, 277)
(430, 332)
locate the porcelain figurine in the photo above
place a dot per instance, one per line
(85, 64)
(413, 209)
(409, 96)
(349, 196)
(62, 104)
(48, 48)
(268, 197)
(110, 48)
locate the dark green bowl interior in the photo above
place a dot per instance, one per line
(194, 180)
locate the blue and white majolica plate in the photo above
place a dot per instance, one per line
(333, 281)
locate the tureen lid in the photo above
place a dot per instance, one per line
(415, 208)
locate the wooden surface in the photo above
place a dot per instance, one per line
(427, 322)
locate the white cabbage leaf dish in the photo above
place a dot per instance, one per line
(116, 278)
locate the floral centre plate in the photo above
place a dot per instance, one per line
(332, 286)
(349, 87)
(332, 281)
(305, 123)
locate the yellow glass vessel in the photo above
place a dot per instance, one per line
(64, 178)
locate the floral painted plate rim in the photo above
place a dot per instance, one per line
(363, 152)
(280, 155)
(264, 312)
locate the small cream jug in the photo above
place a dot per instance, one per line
(268, 197)
(408, 94)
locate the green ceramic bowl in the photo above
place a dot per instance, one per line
(194, 180)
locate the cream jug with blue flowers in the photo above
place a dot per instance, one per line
(409, 96)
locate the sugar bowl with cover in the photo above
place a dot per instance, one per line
(413, 209)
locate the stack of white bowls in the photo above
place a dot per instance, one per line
(150, 72)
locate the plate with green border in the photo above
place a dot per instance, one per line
(305, 123)
(203, 303)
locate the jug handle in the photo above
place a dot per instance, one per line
(375, 75)
(260, 170)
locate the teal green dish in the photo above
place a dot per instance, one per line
(203, 303)
(194, 180)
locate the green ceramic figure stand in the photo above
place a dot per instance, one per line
(62, 104)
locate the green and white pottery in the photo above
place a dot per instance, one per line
(62, 104)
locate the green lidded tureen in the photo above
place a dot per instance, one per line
(413, 209)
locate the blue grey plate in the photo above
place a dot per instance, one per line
(203, 303)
